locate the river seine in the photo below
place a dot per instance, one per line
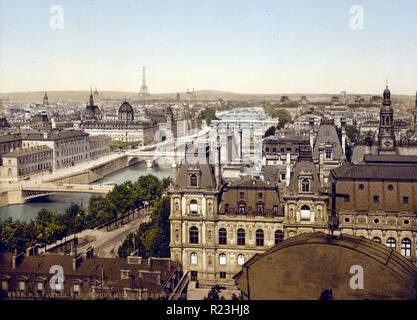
(59, 202)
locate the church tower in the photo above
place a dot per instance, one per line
(45, 100)
(386, 134)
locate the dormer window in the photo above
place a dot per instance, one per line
(193, 180)
(241, 208)
(328, 153)
(259, 208)
(305, 185)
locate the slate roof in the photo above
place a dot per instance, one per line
(327, 134)
(207, 180)
(381, 171)
(306, 167)
(27, 151)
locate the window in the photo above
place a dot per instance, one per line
(241, 237)
(361, 187)
(76, 288)
(193, 235)
(259, 238)
(392, 243)
(274, 150)
(242, 195)
(305, 185)
(240, 259)
(376, 199)
(390, 187)
(305, 213)
(39, 286)
(266, 149)
(222, 259)
(279, 236)
(347, 198)
(405, 200)
(226, 208)
(193, 258)
(22, 285)
(194, 275)
(275, 210)
(222, 275)
(328, 153)
(193, 180)
(377, 239)
(222, 236)
(260, 195)
(242, 208)
(406, 247)
(260, 208)
(193, 206)
(5, 285)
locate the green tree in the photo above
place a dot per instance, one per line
(283, 115)
(270, 132)
(49, 227)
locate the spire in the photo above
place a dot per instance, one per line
(386, 96)
(91, 97)
(45, 99)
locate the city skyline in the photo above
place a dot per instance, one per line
(249, 47)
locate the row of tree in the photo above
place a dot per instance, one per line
(51, 226)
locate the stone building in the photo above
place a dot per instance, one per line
(69, 146)
(377, 200)
(23, 163)
(29, 276)
(125, 128)
(98, 146)
(9, 143)
(92, 111)
(315, 266)
(216, 226)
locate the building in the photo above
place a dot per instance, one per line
(9, 143)
(92, 111)
(125, 128)
(69, 146)
(41, 122)
(98, 146)
(216, 227)
(24, 163)
(376, 200)
(29, 276)
(315, 266)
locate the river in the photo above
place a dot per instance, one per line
(59, 202)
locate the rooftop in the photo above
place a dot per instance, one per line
(27, 151)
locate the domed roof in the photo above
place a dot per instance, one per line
(126, 107)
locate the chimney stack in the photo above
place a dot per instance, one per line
(288, 172)
(343, 125)
(76, 262)
(321, 164)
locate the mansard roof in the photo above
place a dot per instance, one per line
(304, 167)
(207, 180)
(327, 134)
(377, 171)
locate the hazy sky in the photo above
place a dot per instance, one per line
(252, 46)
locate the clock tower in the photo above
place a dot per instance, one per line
(386, 133)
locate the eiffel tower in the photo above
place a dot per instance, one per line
(144, 89)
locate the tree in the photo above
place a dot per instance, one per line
(270, 132)
(283, 115)
(214, 293)
(49, 227)
(209, 115)
(352, 133)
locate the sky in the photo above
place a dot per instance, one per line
(245, 46)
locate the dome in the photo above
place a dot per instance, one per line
(126, 111)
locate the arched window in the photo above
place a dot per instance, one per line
(305, 185)
(193, 235)
(266, 149)
(193, 206)
(279, 236)
(406, 247)
(10, 172)
(305, 213)
(240, 259)
(222, 236)
(193, 180)
(222, 259)
(226, 208)
(392, 243)
(274, 150)
(194, 258)
(377, 239)
(259, 238)
(241, 237)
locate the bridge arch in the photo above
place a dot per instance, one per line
(133, 160)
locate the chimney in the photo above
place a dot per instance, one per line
(89, 253)
(321, 163)
(76, 262)
(218, 166)
(16, 259)
(343, 125)
(368, 145)
(288, 172)
(311, 124)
